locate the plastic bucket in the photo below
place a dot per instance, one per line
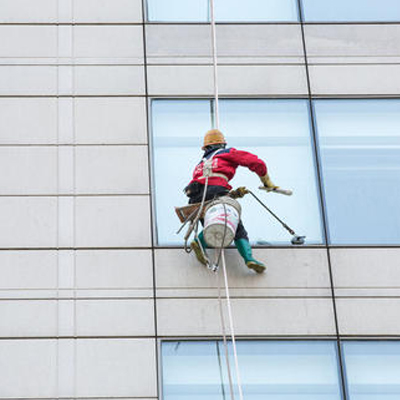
(221, 220)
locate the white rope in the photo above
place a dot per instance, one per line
(228, 300)
(215, 63)
(221, 314)
(231, 327)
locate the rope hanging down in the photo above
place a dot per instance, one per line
(222, 254)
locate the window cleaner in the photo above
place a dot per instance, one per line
(217, 167)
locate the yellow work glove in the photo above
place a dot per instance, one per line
(238, 193)
(266, 180)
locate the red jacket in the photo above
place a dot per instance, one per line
(225, 162)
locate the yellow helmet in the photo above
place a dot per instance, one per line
(213, 136)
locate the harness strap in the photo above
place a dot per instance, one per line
(215, 175)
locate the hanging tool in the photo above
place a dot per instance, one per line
(285, 192)
(296, 239)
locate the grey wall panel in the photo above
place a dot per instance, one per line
(351, 80)
(33, 318)
(106, 120)
(116, 368)
(233, 80)
(28, 222)
(366, 272)
(182, 44)
(114, 269)
(111, 170)
(133, 317)
(113, 221)
(353, 43)
(28, 120)
(28, 80)
(290, 272)
(199, 317)
(15, 11)
(111, 11)
(30, 170)
(28, 41)
(113, 41)
(28, 269)
(28, 368)
(85, 11)
(369, 316)
(109, 80)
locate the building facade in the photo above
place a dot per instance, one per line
(103, 106)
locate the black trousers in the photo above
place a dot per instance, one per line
(214, 192)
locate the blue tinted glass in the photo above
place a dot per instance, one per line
(351, 10)
(276, 130)
(177, 10)
(225, 10)
(256, 10)
(270, 370)
(372, 370)
(178, 127)
(360, 153)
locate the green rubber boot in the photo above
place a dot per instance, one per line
(244, 250)
(195, 246)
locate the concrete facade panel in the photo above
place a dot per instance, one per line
(28, 222)
(364, 42)
(131, 317)
(366, 269)
(114, 269)
(113, 41)
(233, 80)
(28, 80)
(108, 80)
(106, 120)
(237, 44)
(30, 170)
(28, 269)
(112, 11)
(28, 41)
(369, 316)
(34, 318)
(355, 80)
(289, 272)
(28, 368)
(113, 221)
(200, 317)
(116, 368)
(28, 120)
(111, 170)
(16, 11)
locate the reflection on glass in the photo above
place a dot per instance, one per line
(276, 130)
(270, 370)
(256, 10)
(225, 10)
(360, 153)
(177, 10)
(372, 370)
(351, 10)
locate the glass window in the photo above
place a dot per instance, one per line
(372, 370)
(278, 131)
(225, 10)
(353, 10)
(177, 10)
(270, 370)
(360, 153)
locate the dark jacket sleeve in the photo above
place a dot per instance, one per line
(249, 160)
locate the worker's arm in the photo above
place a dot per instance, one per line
(249, 160)
(255, 164)
(266, 180)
